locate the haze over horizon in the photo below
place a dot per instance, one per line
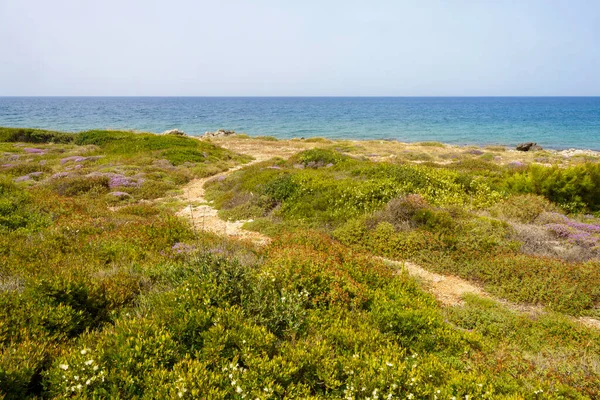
(270, 48)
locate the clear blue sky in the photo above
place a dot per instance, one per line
(300, 47)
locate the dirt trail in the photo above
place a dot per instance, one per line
(448, 289)
(204, 217)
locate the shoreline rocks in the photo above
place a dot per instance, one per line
(175, 132)
(578, 152)
(219, 132)
(528, 146)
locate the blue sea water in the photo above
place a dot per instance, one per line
(552, 122)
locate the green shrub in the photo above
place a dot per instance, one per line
(317, 140)
(574, 188)
(267, 138)
(21, 366)
(431, 144)
(318, 157)
(77, 185)
(28, 135)
(523, 208)
(115, 363)
(17, 209)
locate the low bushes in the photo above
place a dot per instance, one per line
(575, 188)
(176, 149)
(28, 135)
(17, 209)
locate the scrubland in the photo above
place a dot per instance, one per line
(106, 293)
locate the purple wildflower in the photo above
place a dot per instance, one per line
(123, 181)
(560, 230)
(591, 228)
(182, 248)
(72, 158)
(7, 165)
(572, 234)
(475, 152)
(32, 150)
(59, 175)
(22, 178)
(583, 239)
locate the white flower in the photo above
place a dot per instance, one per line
(89, 362)
(389, 364)
(238, 389)
(84, 351)
(88, 382)
(63, 367)
(79, 387)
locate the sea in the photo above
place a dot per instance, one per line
(552, 122)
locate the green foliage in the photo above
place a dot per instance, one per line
(267, 138)
(77, 185)
(507, 329)
(17, 209)
(523, 208)
(28, 135)
(176, 149)
(318, 157)
(574, 188)
(347, 189)
(129, 302)
(431, 144)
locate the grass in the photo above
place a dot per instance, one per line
(113, 296)
(431, 144)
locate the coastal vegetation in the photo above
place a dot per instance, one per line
(106, 293)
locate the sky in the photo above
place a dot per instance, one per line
(300, 48)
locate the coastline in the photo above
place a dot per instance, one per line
(414, 152)
(554, 123)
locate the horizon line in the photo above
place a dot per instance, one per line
(295, 96)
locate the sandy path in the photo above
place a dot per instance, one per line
(204, 217)
(449, 290)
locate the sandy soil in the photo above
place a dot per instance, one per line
(449, 290)
(204, 217)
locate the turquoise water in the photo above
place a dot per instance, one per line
(553, 122)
